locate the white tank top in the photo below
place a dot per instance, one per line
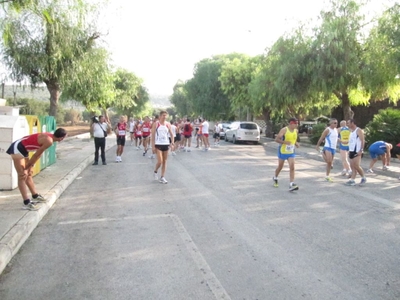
(162, 135)
(354, 142)
(331, 138)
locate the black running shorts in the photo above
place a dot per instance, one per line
(121, 140)
(162, 147)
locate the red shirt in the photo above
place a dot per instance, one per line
(30, 142)
(187, 132)
(146, 128)
(121, 129)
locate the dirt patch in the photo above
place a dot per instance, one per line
(76, 129)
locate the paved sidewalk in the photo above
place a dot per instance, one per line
(74, 154)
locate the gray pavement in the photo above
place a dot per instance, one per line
(217, 230)
(73, 155)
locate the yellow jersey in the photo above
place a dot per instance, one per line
(344, 136)
(290, 136)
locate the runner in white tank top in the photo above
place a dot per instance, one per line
(356, 147)
(330, 135)
(160, 144)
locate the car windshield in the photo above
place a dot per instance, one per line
(249, 126)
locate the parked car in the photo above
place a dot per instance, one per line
(223, 128)
(243, 132)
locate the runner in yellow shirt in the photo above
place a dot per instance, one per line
(287, 137)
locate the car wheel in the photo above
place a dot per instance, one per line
(226, 138)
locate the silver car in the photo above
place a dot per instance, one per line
(243, 132)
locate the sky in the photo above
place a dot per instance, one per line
(161, 40)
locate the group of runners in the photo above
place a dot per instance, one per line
(160, 136)
(351, 141)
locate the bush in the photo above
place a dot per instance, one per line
(385, 126)
(72, 116)
(316, 132)
(31, 106)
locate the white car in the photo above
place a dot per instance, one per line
(243, 132)
(223, 127)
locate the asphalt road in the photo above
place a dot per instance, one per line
(217, 230)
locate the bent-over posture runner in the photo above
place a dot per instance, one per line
(19, 152)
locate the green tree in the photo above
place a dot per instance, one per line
(204, 89)
(236, 75)
(94, 85)
(382, 60)
(180, 100)
(339, 57)
(46, 42)
(131, 95)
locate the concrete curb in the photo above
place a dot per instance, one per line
(20, 232)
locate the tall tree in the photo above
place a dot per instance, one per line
(382, 57)
(236, 75)
(180, 100)
(204, 90)
(338, 51)
(47, 42)
(94, 86)
(131, 96)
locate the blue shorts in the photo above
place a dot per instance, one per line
(333, 151)
(283, 156)
(374, 153)
(345, 148)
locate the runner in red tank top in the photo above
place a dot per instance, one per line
(120, 131)
(18, 151)
(146, 130)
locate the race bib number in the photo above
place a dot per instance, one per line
(121, 132)
(290, 148)
(145, 130)
(139, 133)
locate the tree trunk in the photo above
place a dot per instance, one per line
(105, 114)
(267, 118)
(347, 112)
(55, 92)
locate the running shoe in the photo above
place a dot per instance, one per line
(95, 163)
(104, 163)
(120, 158)
(350, 183)
(144, 153)
(188, 150)
(385, 168)
(155, 176)
(328, 179)
(173, 153)
(30, 206)
(363, 181)
(39, 198)
(293, 187)
(275, 181)
(370, 171)
(163, 180)
(344, 172)
(137, 148)
(116, 159)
